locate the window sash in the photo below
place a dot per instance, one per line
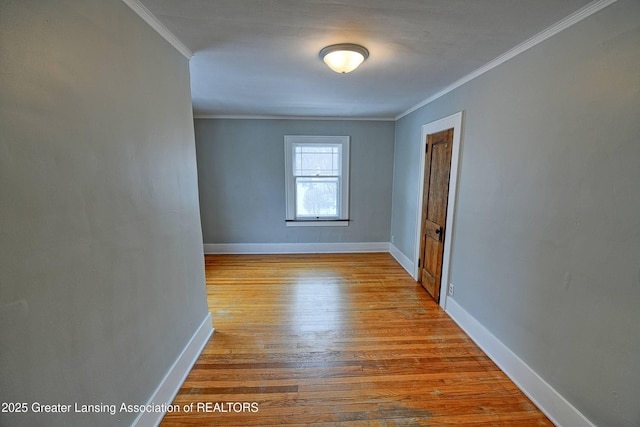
(317, 197)
(316, 160)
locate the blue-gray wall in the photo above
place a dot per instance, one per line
(101, 269)
(546, 243)
(241, 179)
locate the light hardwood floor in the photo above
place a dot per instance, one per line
(338, 340)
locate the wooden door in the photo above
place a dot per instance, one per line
(434, 210)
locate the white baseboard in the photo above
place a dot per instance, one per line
(550, 402)
(402, 259)
(294, 248)
(171, 383)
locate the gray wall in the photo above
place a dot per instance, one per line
(101, 269)
(241, 180)
(546, 246)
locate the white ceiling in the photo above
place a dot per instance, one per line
(260, 57)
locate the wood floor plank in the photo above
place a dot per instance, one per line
(338, 340)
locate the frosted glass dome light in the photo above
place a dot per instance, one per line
(344, 57)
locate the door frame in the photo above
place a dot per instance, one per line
(453, 121)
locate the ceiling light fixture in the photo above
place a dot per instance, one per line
(344, 57)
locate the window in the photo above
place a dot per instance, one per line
(317, 180)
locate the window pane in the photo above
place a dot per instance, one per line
(316, 197)
(316, 160)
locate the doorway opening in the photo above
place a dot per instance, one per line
(438, 231)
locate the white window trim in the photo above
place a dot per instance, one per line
(289, 142)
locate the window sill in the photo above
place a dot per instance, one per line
(318, 223)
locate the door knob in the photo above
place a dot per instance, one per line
(438, 231)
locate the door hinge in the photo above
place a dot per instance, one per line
(419, 262)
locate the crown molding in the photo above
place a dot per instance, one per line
(275, 117)
(150, 19)
(559, 26)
